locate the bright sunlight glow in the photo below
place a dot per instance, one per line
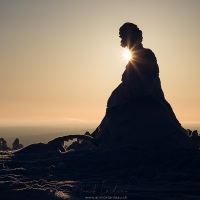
(127, 55)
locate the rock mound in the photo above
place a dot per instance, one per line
(3, 145)
(16, 145)
(142, 122)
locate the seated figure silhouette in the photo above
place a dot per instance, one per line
(141, 77)
(137, 111)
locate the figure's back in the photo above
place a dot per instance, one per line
(141, 78)
(143, 65)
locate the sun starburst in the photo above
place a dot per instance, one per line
(127, 55)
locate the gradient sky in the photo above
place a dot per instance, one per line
(61, 59)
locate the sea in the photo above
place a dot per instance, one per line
(36, 134)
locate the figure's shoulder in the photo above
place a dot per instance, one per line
(149, 53)
(149, 56)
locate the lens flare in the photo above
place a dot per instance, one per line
(127, 55)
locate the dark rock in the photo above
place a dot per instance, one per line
(189, 132)
(16, 145)
(141, 122)
(195, 138)
(195, 133)
(3, 145)
(56, 145)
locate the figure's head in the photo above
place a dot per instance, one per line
(130, 34)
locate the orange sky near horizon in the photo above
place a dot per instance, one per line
(61, 60)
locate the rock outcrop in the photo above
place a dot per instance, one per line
(142, 122)
(16, 145)
(195, 138)
(3, 145)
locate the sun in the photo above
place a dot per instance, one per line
(127, 55)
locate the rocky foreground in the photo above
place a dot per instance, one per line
(123, 172)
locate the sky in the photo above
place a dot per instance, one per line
(61, 59)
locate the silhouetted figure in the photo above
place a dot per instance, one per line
(141, 77)
(137, 111)
(16, 145)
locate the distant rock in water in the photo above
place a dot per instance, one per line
(16, 145)
(3, 145)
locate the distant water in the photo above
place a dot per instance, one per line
(35, 134)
